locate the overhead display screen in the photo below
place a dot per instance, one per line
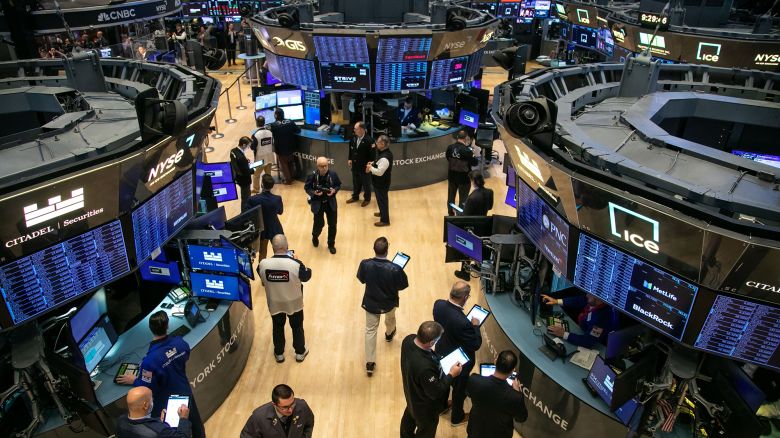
(293, 70)
(738, 328)
(345, 76)
(208, 258)
(401, 76)
(160, 217)
(584, 36)
(51, 277)
(448, 72)
(541, 223)
(648, 294)
(756, 274)
(403, 49)
(341, 48)
(653, 19)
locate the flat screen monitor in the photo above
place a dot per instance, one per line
(311, 115)
(211, 258)
(448, 72)
(601, 379)
(511, 197)
(245, 292)
(341, 48)
(213, 220)
(268, 114)
(265, 101)
(468, 118)
(97, 343)
(403, 49)
(627, 383)
(220, 173)
(742, 421)
(88, 315)
(289, 97)
(584, 36)
(161, 272)
(244, 260)
(544, 227)
(464, 242)
(619, 341)
(345, 76)
(293, 112)
(240, 222)
(292, 70)
(217, 286)
(225, 192)
(770, 160)
(511, 176)
(401, 76)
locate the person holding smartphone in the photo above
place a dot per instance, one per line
(494, 404)
(139, 421)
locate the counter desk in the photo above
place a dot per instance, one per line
(417, 161)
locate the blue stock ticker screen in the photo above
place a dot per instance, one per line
(48, 278)
(648, 294)
(341, 48)
(403, 49)
(447, 72)
(543, 226)
(293, 70)
(401, 76)
(161, 216)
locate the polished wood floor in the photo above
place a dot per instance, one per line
(346, 403)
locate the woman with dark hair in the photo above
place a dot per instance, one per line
(480, 201)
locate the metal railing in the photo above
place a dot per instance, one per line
(226, 93)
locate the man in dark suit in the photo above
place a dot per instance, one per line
(360, 153)
(322, 186)
(494, 403)
(408, 115)
(285, 139)
(271, 208)
(239, 164)
(480, 201)
(458, 332)
(381, 172)
(459, 159)
(425, 386)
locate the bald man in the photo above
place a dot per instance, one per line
(322, 186)
(138, 422)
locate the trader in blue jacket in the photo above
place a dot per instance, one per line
(272, 207)
(163, 371)
(596, 319)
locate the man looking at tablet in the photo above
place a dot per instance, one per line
(494, 404)
(284, 416)
(383, 280)
(139, 421)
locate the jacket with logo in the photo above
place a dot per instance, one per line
(282, 277)
(264, 423)
(163, 370)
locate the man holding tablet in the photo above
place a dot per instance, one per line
(139, 421)
(383, 280)
(494, 404)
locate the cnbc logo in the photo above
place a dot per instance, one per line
(115, 15)
(709, 52)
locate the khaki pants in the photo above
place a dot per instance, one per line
(372, 323)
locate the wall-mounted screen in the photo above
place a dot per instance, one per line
(341, 48)
(345, 76)
(220, 173)
(220, 287)
(293, 70)
(224, 192)
(160, 272)
(648, 294)
(401, 76)
(448, 72)
(403, 49)
(543, 226)
(211, 258)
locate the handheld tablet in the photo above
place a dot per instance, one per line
(172, 409)
(487, 370)
(257, 163)
(478, 312)
(401, 259)
(456, 208)
(451, 359)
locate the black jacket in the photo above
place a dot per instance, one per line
(383, 182)
(412, 117)
(263, 423)
(362, 153)
(458, 331)
(459, 158)
(425, 388)
(493, 406)
(383, 280)
(151, 428)
(479, 202)
(271, 208)
(313, 182)
(239, 164)
(285, 139)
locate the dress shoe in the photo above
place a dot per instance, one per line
(377, 214)
(382, 224)
(370, 368)
(351, 200)
(364, 203)
(332, 249)
(462, 422)
(315, 241)
(463, 275)
(389, 337)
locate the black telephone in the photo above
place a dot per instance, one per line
(556, 348)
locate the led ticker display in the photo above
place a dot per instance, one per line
(544, 227)
(195, 9)
(403, 49)
(223, 7)
(650, 295)
(341, 48)
(345, 76)
(448, 72)
(401, 76)
(293, 70)
(652, 19)
(51, 277)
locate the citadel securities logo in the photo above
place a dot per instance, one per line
(650, 244)
(215, 284)
(56, 208)
(296, 45)
(122, 14)
(709, 52)
(762, 286)
(212, 256)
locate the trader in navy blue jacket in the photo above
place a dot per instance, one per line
(271, 208)
(163, 371)
(596, 319)
(458, 332)
(409, 115)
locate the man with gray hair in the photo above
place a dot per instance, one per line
(380, 171)
(458, 332)
(283, 275)
(322, 186)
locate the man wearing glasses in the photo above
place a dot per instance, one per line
(322, 186)
(284, 416)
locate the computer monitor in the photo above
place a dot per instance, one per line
(511, 197)
(213, 220)
(265, 101)
(224, 192)
(217, 286)
(160, 272)
(244, 259)
(468, 118)
(312, 116)
(289, 97)
(627, 384)
(240, 222)
(481, 226)
(245, 292)
(619, 341)
(268, 115)
(271, 79)
(293, 112)
(464, 242)
(220, 172)
(601, 379)
(88, 315)
(212, 258)
(97, 343)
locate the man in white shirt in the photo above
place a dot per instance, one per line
(263, 146)
(381, 171)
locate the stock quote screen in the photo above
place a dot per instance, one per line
(345, 76)
(160, 217)
(341, 48)
(542, 224)
(401, 76)
(448, 72)
(48, 278)
(650, 295)
(403, 49)
(293, 70)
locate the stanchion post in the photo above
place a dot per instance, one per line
(216, 134)
(240, 100)
(230, 118)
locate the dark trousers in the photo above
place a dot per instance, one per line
(458, 184)
(231, 56)
(287, 165)
(418, 427)
(198, 431)
(296, 324)
(244, 195)
(383, 201)
(360, 180)
(459, 393)
(319, 222)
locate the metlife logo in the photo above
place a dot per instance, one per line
(122, 14)
(708, 52)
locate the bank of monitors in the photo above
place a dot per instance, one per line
(544, 227)
(331, 48)
(403, 49)
(289, 97)
(508, 10)
(400, 76)
(345, 76)
(448, 72)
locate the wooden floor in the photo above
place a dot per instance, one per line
(346, 403)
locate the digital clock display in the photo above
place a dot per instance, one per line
(650, 19)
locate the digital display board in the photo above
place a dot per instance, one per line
(508, 10)
(293, 70)
(648, 294)
(544, 227)
(51, 277)
(448, 72)
(401, 76)
(755, 274)
(464, 242)
(209, 258)
(605, 43)
(653, 19)
(657, 45)
(194, 9)
(584, 36)
(490, 8)
(220, 287)
(475, 63)
(161, 216)
(403, 49)
(741, 329)
(220, 173)
(341, 48)
(345, 76)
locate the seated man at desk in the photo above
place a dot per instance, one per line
(408, 115)
(596, 319)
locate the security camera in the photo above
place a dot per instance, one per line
(529, 117)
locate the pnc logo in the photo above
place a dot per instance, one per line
(708, 52)
(290, 44)
(212, 256)
(165, 165)
(56, 208)
(215, 284)
(115, 15)
(552, 228)
(651, 245)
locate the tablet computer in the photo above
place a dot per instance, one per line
(451, 359)
(172, 409)
(478, 312)
(487, 370)
(455, 208)
(257, 163)
(401, 259)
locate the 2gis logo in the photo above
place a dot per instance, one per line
(295, 45)
(651, 244)
(709, 52)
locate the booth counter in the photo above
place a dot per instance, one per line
(417, 162)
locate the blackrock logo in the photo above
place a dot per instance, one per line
(651, 244)
(56, 208)
(116, 15)
(215, 284)
(212, 256)
(709, 52)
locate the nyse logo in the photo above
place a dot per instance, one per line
(56, 208)
(650, 244)
(212, 256)
(215, 284)
(767, 59)
(455, 45)
(164, 166)
(161, 7)
(116, 15)
(559, 235)
(469, 118)
(296, 45)
(708, 52)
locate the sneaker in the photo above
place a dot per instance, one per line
(315, 241)
(301, 357)
(364, 203)
(461, 422)
(332, 249)
(370, 368)
(279, 358)
(389, 337)
(351, 200)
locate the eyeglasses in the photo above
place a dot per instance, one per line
(289, 407)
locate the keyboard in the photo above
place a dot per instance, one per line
(180, 331)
